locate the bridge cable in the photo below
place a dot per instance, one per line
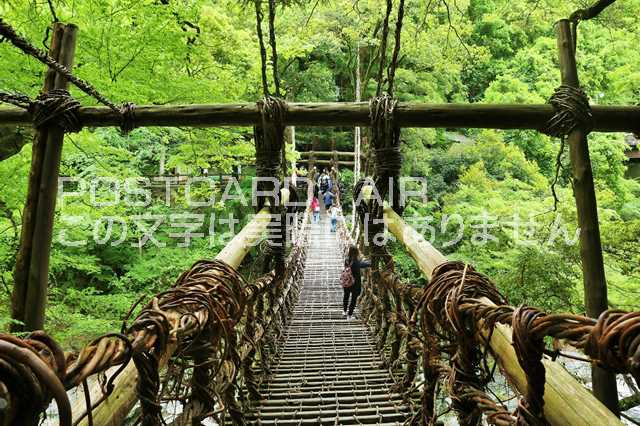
(125, 111)
(272, 41)
(263, 50)
(391, 71)
(383, 46)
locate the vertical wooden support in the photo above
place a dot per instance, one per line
(356, 142)
(312, 165)
(43, 230)
(595, 286)
(61, 49)
(312, 157)
(292, 133)
(334, 155)
(368, 156)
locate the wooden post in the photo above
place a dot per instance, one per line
(356, 140)
(334, 155)
(367, 156)
(595, 286)
(43, 230)
(28, 303)
(293, 144)
(312, 158)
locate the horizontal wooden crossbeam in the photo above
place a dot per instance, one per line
(308, 154)
(325, 162)
(605, 118)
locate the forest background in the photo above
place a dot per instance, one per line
(202, 51)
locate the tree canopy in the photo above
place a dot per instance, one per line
(199, 51)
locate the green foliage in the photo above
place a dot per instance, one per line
(540, 277)
(197, 51)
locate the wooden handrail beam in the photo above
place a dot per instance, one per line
(507, 116)
(350, 154)
(325, 162)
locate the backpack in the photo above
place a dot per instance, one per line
(346, 277)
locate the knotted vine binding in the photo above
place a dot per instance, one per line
(386, 142)
(269, 140)
(572, 111)
(32, 371)
(529, 347)
(53, 108)
(56, 108)
(128, 114)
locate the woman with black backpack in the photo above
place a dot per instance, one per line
(352, 285)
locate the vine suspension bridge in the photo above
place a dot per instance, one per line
(277, 350)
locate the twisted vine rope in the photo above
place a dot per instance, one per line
(16, 99)
(458, 299)
(68, 121)
(529, 347)
(28, 48)
(207, 302)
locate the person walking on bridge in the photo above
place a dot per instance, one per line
(351, 293)
(334, 213)
(328, 200)
(324, 182)
(315, 208)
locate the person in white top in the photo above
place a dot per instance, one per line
(334, 212)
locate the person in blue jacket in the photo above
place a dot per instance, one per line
(328, 200)
(353, 292)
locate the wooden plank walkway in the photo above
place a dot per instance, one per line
(328, 372)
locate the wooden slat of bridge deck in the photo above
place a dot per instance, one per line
(328, 372)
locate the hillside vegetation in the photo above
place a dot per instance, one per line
(203, 51)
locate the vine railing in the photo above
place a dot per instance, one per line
(212, 331)
(451, 335)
